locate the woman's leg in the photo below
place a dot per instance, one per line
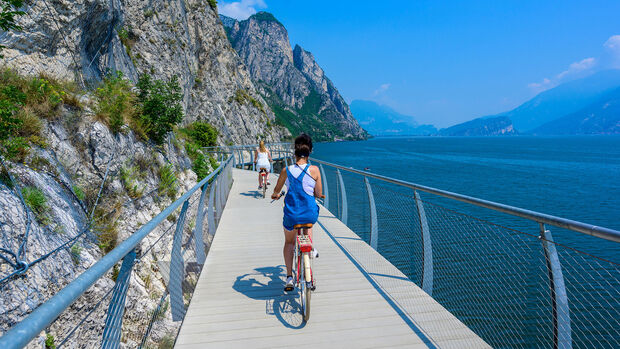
(289, 250)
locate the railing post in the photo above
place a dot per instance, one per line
(252, 160)
(200, 214)
(343, 199)
(427, 248)
(562, 333)
(210, 210)
(325, 187)
(114, 320)
(217, 196)
(220, 190)
(374, 229)
(176, 269)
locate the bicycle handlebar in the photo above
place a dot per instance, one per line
(279, 196)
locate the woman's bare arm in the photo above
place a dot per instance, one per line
(318, 187)
(279, 185)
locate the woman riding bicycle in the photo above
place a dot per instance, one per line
(262, 159)
(303, 184)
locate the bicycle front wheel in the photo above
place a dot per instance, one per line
(304, 290)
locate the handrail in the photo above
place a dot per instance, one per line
(589, 229)
(23, 332)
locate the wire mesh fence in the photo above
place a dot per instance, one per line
(500, 274)
(141, 301)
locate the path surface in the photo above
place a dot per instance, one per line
(361, 301)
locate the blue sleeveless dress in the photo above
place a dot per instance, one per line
(299, 207)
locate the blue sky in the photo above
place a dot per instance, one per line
(446, 62)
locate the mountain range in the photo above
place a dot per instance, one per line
(295, 87)
(600, 117)
(584, 106)
(381, 120)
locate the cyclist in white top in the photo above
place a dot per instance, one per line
(262, 159)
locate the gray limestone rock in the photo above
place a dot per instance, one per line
(292, 82)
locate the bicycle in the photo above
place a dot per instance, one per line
(263, 181)
(302, 265)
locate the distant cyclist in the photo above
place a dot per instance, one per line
(303, 184)
(262, 159)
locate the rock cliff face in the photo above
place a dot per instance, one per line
(294, 85)
(79, 153)
(84, 39)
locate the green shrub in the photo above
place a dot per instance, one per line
(23, 102)
(127, 37)
(243, 97)
(116, 103)
(50, 342)
(168, 181)
(115, 271)
(10, 10)
(76, 252)
(197, 135)
(203, 134)
(79, 193)
(213, 4)
(161, 106)
(5, 178)
(37, 202)
(200, 166)
(129, 178)
(106, 224)
(149, 13)
(214, 163)
(11, 145)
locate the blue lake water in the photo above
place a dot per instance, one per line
(490, 269)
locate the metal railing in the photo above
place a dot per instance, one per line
(244, 154)
(147, 311)
(495, 267)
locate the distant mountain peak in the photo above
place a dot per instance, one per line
(264, 16)
(292, 82)
(563, 99)
(381, 120)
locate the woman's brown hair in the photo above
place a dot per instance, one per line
(303, 146)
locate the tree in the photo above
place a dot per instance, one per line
(8, 14)
(161, 106)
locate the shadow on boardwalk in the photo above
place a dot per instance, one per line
(267, 283)
(253, 194)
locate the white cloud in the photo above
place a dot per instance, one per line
(575, 69)
(381, 89)
(538, 87)
(609, 59)
(578, 67)
(612, 48)
(241, 9)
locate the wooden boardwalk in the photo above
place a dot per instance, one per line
(361, 300)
